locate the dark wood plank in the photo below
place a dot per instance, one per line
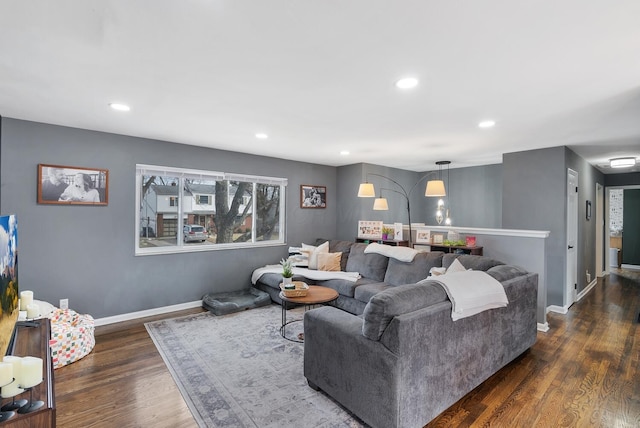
(582, 373)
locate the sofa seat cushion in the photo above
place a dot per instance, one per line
(343, 287)
(470, 262)
(384, 306)
(365, 292)
(372, 266)
(399, 273)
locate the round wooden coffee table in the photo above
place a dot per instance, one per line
(317, 295)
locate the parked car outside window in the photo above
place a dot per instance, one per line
(193, 232)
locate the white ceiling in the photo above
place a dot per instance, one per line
(318, 76)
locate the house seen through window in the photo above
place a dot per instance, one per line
(187, 210)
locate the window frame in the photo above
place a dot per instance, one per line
(184, 173)
(199, 197)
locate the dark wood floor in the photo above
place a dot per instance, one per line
(584, 372)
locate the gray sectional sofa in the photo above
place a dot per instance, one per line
(378, 273)
(389, 350)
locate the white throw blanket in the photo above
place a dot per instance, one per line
(307, 273)
(472, 292)
(404, 254)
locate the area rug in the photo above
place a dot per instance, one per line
(237, 370)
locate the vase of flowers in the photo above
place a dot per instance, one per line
(287, 271)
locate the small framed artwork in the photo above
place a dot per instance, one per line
(423, 237)
(72, 185)
(313, 196)
(588, 210)
(437, 238)
(398, 231)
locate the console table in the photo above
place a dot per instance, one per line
(32, 339)
(391, 242)
(476, 251)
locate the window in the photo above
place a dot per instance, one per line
(187, 210)
(204, 199)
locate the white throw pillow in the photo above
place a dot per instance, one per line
(313, 252)
(456, 266)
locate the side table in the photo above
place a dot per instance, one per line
(317, 295)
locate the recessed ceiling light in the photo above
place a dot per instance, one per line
(487, 124)
(262, 135)
(407, 83)
(622, 162)
(344, 152)
(119, 107)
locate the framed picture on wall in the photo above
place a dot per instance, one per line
(72, 185)
(313, 196)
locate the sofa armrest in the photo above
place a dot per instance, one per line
(358, 372)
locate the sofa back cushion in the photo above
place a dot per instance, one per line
(470, 262)
(372, 266)
(338, 246)
(399, 273)
(504, 273)
(396, 301)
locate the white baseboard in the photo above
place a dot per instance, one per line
(586, 290)
(630, 267)
(148, 313)
(557, 309)
(543, 327)
(564, 309)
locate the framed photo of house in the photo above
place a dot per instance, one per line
(423, 237)
(312, 196)
(72, 185)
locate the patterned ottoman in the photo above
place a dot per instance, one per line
(71, 336)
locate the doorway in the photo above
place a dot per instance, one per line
(600, 271)
(571, 282)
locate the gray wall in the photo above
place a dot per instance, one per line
(628, 179)
(86, 253)
(352, 208)
(588, 176)
(534, 198)
(474, 195)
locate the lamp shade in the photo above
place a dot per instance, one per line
(435, 188)
(366, 190)
(380, 204)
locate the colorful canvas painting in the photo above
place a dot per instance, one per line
(9, 279)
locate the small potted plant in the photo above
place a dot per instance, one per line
(287, 273)
(387, 233)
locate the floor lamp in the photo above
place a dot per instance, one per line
(435, 188)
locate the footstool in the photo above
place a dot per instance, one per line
(71, 336)
(235, 301)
